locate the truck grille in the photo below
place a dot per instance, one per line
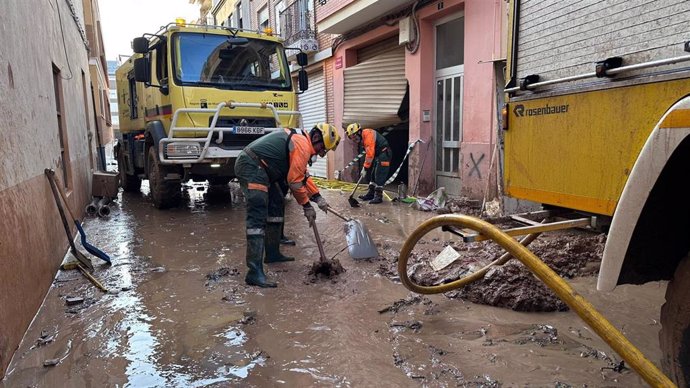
(233, 142)
(226, 122)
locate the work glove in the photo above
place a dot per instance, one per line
(364, 173)
(321, 202)
(310, 213)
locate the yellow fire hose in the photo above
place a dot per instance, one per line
(613, 337)
(340, 185)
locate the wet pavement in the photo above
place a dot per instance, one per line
(178, 313)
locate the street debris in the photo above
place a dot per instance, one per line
(248, 317)
(327, 269)
(51, 362)
(71, 301)
(222, 272)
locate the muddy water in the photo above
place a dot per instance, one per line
(179, 314)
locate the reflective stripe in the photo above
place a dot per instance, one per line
(255, 232)
(296, 185)
(257, 186)
(275, 220)
(385, 164)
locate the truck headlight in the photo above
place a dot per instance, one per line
(183, 150)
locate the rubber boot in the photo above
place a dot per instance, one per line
(283, 239)
(369, 195)
(378, 196)
(273, 254)
(255, 254)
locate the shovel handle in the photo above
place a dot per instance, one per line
(330, 209)
(318, 242)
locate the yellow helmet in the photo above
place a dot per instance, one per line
(329, 134)
(352, 129)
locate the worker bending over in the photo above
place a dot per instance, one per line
(378, 157)
(277, 157)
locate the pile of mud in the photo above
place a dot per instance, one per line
(328, 269)
(571, 253)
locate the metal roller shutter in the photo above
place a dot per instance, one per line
(375, 88)
(312, 104)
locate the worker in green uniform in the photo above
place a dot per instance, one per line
(378, 158)
(280, 156)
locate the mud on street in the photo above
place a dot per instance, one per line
(179, 313)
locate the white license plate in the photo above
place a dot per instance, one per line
(249, 130)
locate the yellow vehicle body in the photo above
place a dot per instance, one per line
(577, 150)
(153, 105)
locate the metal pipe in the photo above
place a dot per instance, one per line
(92, 207)
(618, 70)
(103, 208)
(585, 310)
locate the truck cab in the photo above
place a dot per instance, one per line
(192, 97)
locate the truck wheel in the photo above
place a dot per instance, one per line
(674, 336)
(164, 193)
(129, 183)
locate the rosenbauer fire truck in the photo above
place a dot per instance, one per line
(192, 97)
(598, 121)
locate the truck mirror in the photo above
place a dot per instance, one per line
(140, 45)
(302, 59)
(238, 41)
(141, 70)
(303, 80)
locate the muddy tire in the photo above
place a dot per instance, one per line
(165, 194)
(674, 336)
(129, 183)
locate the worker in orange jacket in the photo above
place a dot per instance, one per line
(280, 156)
(378, 158)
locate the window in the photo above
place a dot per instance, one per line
(62, 133)
(133, 112)
(280, 7)
(89, 136)
(263, 18)
(231, 21)
(212, 61)
(238, 12)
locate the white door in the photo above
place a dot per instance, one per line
(448, 103)
(312, 104)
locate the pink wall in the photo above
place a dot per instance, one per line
(483, 43)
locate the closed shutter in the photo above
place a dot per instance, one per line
(312, 104)
(366, 53)
(375, 88)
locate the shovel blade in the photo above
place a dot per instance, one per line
(359, 242)
(353, 202)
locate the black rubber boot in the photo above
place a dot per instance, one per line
(255, 254)
(369, 195)
(283, 239)
(378, 196)
(273, 254)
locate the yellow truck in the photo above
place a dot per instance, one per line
(597, 120)
(192, 97)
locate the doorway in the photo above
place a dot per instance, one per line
(449, 74)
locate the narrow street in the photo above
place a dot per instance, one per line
(179, 313)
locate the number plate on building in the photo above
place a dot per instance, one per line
(249, 130)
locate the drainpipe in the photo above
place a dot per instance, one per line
(99, 149)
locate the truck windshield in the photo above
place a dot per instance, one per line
(223, 62)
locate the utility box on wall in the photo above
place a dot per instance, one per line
(405, 31)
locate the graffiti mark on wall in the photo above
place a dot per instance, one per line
(475, 165)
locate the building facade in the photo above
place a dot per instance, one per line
(425, 70)
(46, 121)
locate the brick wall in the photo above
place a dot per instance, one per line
(329, 8)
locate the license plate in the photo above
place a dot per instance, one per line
(249, 130)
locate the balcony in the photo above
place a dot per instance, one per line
(298, 26)
(341, 16)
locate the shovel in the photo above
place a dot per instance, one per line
(57, 191)
(359, 243)
(353, 202)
